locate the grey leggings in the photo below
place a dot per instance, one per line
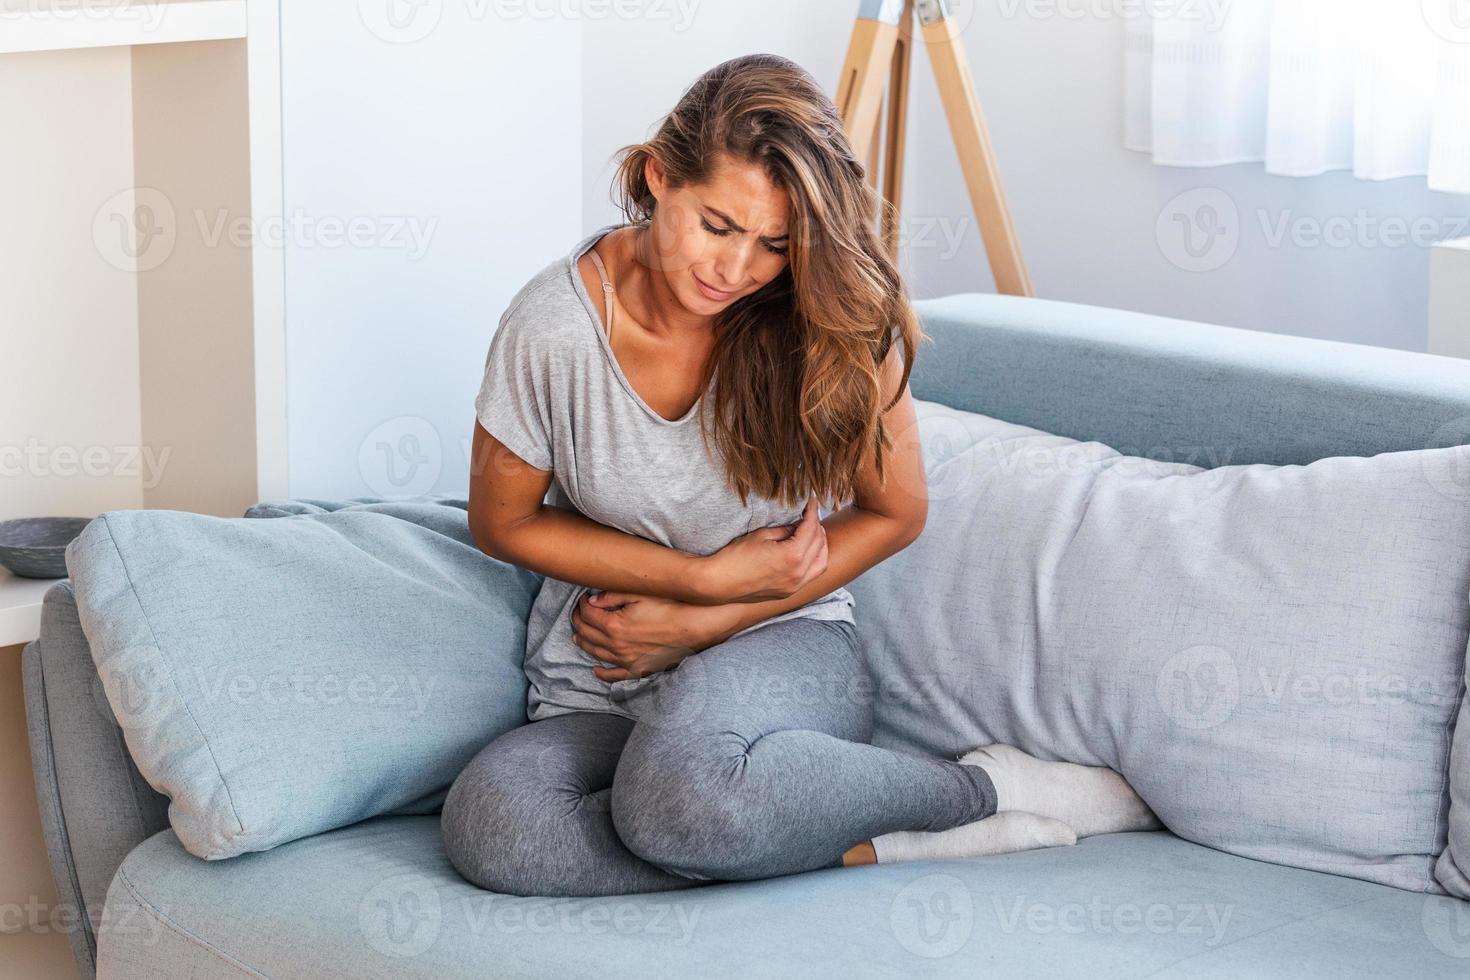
(748, 760)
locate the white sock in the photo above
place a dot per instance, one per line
(1003, 833)
(1090, 799)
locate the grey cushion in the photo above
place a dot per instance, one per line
(1272, 655)
(278, 678)
(380, 899)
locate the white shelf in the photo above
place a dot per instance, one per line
(20, 607)
(38, 26)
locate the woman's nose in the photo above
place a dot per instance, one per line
(733, 264)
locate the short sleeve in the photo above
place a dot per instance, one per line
(514, 403)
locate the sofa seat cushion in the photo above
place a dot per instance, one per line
(379, 899)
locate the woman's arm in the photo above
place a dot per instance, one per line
(880, 522)
(637, 635)
(509, 520)
(634, 634)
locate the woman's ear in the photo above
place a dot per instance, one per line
(653, 174)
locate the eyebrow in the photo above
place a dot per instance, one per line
(731, 222)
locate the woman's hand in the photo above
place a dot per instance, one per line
(769, 562)
(636, 635)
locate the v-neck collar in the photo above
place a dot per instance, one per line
(595, 320)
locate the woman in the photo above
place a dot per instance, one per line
(688, 386)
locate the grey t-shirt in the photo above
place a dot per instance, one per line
(554, 395)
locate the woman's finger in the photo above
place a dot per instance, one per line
(600, 652)
(592, 639)
(805, 528)
(595, 616)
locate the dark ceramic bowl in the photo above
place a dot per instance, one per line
(35, 547)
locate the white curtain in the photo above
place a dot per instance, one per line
(1378, 87)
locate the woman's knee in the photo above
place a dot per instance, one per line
(488, 823)
(688, 811)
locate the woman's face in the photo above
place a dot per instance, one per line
(720, 240)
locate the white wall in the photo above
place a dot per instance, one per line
(1087, 210)
(452, 140)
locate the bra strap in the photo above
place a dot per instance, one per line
(607, 290)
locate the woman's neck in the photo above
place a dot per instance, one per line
(650, 301)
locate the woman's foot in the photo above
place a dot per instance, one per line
(1089, 799)
(1003, 833)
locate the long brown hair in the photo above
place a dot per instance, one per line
(792, 384)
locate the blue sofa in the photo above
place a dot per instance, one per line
(1124, 905)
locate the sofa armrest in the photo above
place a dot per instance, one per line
(95, 805)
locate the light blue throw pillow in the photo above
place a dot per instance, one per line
(1273, 656)
(281, 677)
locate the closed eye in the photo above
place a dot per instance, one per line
(722, 232)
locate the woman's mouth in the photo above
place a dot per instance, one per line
(711, 292)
